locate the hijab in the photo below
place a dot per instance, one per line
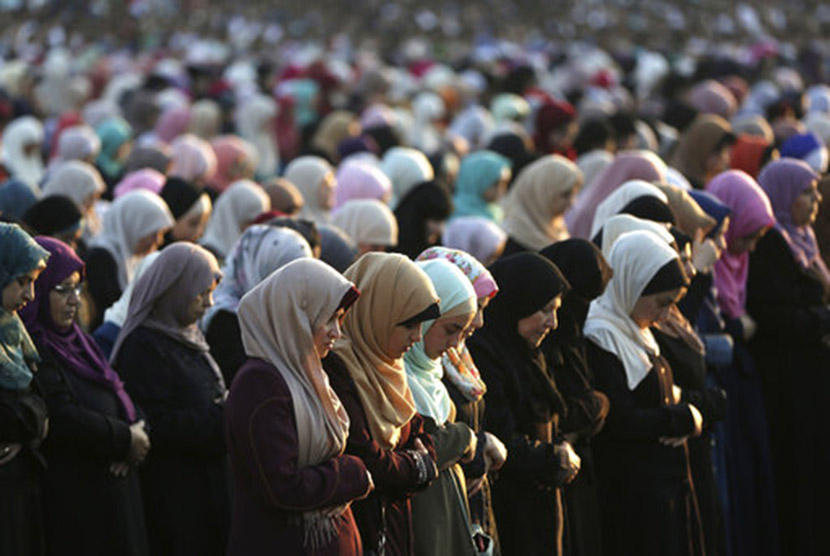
(232, 155)
(193, 159)
(21, 132)
(336, 248)
(180, 196)
(393, 290)
(625, 223)
(360, 180)
(697, 144)
(79, 142)
(406, 167)
(259, 251)
(55, 215)
(146, 178)
(627, 166)
(457, 299)
(74, 179)
(479, 172)
(621, 198)
(747, 154)
(335, 128)
(164, 292)
(636, 258)
(130, 218)
(750, 211)
(117, 313)
(424, 202)
(367, 221)
(480, 237)
(19, 255)
(528, 218)
(254, 122)
(783, 181)
(285, 197)
(77, 352)
(710, 97)
(686, 211)
(713, 208)
(205, 119)
(16, 198)
(306, 172)
(155, 156)
(239, 205)
(113, 132)
(172, 123)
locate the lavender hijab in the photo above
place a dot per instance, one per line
(783, 181)
(77, 351)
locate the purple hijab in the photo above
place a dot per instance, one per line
(783, 181)
(77, 352)
(751, 211)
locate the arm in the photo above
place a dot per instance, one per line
(263, 434)
(452, 442)
(23, 416)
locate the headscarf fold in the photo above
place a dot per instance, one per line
(528, 218)
(234, 157)
(635, 257)
(237, 207)
(479, 172)
(19, 255)
(620, 198)
(77, 352)
(751, 211)
(625, 223)
(393, 290)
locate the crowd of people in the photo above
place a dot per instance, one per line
(549, 300)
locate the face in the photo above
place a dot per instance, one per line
(199, 305)
(325, 191)
(65, 301)
(746, 244)
(328, 333)
(720, 238)
(562, 202)
(805, 207)
(718, 161)
(401, 339)
(535, 327)
(444, 334)
(655, 307)
(191, 227)
(149, 243)
(434, 229)
(497, 191)
(89, 202)
(478, 318)
(21, 290)
(686, 261)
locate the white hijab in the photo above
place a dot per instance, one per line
(235, 208)
(367, 221)
(306, 173)
(635, 257)
(254, 122)
(617, 201)
(625, 223)
(19, 133)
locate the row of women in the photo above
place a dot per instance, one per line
(618, 399)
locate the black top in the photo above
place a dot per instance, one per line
(102, 283)
(225, 339)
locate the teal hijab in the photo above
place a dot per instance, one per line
(424, 374)
(19, 254)
(479, 172)
(113, 133)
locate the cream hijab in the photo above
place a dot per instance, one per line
(368, 222)
(618, 200)
(306, 172)
(393, 290)
(527, 215)
(277, 319)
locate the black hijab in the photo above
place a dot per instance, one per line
(426, 201)
(53, 216)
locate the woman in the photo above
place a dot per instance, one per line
(360, 180)
(21, 154)
(191, 208)
(260, 251)
(440, 515)
(287, 428)
(480, 237)
(641, 453)
(57, 217)
(367, 372)
(406, 168)
(787, 293)
(535, 208)
(466, 390)
(421, 215)
(116, 142)
(620, 199)
(145, 178)
(314, 177)
(703, 150)
(255, 124)
(235, 210)
(16, 198)
(369, 223)
(92, 497)
(82, 183)
(23, 414)
(523, 405)
(134, 227)
(236, 160)
(167, 370)
(482, 181)
(192, 160)
(587, 271)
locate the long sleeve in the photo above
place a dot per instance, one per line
(451, 442)
(262, 434)
(22, 416)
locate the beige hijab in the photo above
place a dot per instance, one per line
(367, 221)
(277, 319)
(393, 290)
(697, 144)
(690, 217)
(528, 218)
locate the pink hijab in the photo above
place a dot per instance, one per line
(146, 178)
(751, 211)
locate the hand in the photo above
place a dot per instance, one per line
(749, 326)
(120, 468)
(698, 419)
(705, 252)
(139, 443)
(418, 446)
(474, 485)
(569, 462)
(495, 453)
(470, 454)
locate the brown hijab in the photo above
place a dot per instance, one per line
(697, 144)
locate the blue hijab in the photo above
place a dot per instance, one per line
(479, 172)
(16, 198)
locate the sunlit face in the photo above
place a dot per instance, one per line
(199, 305)
(719, 161)
(478, 318)
(445, 333)
(21, 290)
(804, 209)
(686, 261)
(190, 227)
(562, 202)
(328, 333)
(325, 191)
(746, 243)
(88, 204)
(65, 301)
(655, 307)
(401, 339)
(434, 230)
(535, 327)
(149, 243)
(720, 238)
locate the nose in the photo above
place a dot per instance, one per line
(208, 301)
(29, 292)
(552, 322)
(478, 321)
(416, 335)
(336, 333)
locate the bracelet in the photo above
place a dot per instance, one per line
(420, 467)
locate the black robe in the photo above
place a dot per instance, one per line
(789, 304)
(224, 337)
(185, 478)
(647, 498)
(102, 283)
(88, 510)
